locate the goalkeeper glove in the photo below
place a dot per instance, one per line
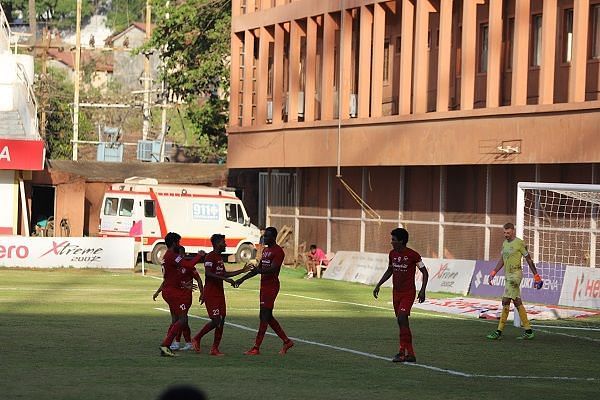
(538, 282)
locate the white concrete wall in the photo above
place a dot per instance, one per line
(9, 209)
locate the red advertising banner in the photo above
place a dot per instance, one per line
(25, 155)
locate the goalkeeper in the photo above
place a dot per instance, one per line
(513, 249)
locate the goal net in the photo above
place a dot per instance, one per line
(559, 224)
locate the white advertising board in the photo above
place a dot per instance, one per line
(76, 252)
(581, 288)
(452, 276)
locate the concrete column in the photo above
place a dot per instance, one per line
(494, 54)
(250, 6)
(278, 74)
(248, 78)
(346, 64)
(262, 78)
(265, 4)
(311, 69)
(294, 72)
(468, 53)
(377, 62)
(445, 46)
(577, 72)
(235, 8)
(327, 69)
(234, 100)
(406, 58)
(546, 89)
(520, 67)
(364, 67)
(421, 70)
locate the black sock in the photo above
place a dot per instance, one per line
(529, 331)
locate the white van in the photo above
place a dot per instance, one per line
(194, 212)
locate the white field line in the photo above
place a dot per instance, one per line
(378, 357)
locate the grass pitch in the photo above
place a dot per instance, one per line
(74, 334)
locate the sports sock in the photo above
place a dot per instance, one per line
(205, 329)
(523, 316)
(218, 336)
(503, 317)
(278, 329)
(406, 337)
(187, 334)
(262, 329)
(401, 347)
(173, 330)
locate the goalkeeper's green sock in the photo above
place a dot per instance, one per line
(523, 316)
(503, 317)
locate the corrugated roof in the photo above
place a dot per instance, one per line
(96, 171)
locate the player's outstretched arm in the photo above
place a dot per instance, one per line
(386, 275)
(155, 295)
(246, 268)
(498, 267)
(249, 275)
(423, 269)
(538, 283)
(191, 263)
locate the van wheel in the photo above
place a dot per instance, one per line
(245, 253)
(158, 252)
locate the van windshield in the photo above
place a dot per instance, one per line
(126, 208)
(110, 206)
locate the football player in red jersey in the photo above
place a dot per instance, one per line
(214, 296)
(403, 263)
(176, 288)
(268, 268)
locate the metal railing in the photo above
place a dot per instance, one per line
(22, 76)
(5, 32)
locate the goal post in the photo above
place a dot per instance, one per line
(559, 224)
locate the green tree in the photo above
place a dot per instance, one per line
(59, 14)
(55, 90)
(194, 43)
(123, 12)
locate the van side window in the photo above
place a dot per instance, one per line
(231, 212)
(240, 215)
(126, 208)
(149, 209)
(110, 206)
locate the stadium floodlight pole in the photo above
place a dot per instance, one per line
(147, 78)
(77, 81)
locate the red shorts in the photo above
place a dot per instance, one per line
(215, 306)
(268, 296)
(403, 302)
(179, 301)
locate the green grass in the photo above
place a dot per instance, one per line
(73, 334)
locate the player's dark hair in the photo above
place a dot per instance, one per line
(214, 239)
(171, 238)
(401, 235)
(273, 231)
(509, 225)
(313, 246)
(181, 392)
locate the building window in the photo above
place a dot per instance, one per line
(398, 44)
(595, 31)
(483, 47)
(536, 40)
(567, 35)
(386, 61)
